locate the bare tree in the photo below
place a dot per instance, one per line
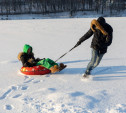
(55, 6)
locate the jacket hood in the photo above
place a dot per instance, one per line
(26, 47)
(101, 20)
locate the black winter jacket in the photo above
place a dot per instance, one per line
(100, 42)
(28, 60)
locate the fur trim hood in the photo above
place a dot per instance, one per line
(19, 55)
(98, 26)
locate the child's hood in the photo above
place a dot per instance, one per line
(26, 47)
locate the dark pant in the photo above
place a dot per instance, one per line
(95, 60)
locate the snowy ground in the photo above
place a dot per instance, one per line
(64, 92)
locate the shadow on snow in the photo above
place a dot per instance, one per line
(110, 72)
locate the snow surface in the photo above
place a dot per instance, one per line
(64, 92)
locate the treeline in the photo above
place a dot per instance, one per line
(10, 7)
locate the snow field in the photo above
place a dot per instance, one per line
(64, 92)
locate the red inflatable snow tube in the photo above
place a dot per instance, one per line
(35, 70)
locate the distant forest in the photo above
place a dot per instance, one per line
(11, 7)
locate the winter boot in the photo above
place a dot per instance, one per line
(86, 74)
(62, 66)
(54, 69)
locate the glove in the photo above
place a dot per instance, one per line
(37, 59)
(31, 61)
(107, 38)
(78, 43)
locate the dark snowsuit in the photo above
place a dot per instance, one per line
(28, 59)
(25, 59)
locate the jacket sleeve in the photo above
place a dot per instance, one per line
(86, 36)
(35, 59)
(109, 37)
(38, 59)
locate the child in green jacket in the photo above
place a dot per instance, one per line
(28, 60)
